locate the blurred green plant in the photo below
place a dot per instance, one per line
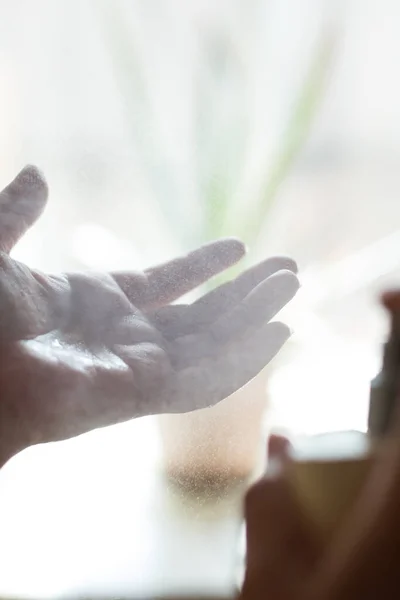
(248, 224)
(305, 109)
(220, 149)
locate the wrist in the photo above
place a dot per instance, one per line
(6, 454)
(10, 444)
(8, 448)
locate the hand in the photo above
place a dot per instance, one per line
(86, 350)
(287, 561)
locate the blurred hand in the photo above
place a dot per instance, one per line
(286, 560)
(86, 350)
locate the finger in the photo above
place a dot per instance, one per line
(21, 204)
(167, 282)
(281, 549)
(391, 299)
(278, 447)
(226, 296)
(213, 379)
(258, 307)
(178, 321)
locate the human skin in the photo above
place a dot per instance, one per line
(85, 350)
(286, 559)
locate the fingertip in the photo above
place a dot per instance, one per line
(286, 279)
(232, 247)
(292, 265)
(32, 177)
(391, 299)
(288, 264)
(278, 447)
(280, 331)
(21, 203)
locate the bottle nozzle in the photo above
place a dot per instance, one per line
(384, 388)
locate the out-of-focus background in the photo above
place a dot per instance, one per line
(161, 124)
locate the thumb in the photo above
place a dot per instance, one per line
(21, 204)
(282, 549)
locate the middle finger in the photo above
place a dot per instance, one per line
(179, 320)
(261, 305)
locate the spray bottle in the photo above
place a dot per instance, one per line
(327, 474)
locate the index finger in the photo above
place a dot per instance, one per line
(207, 309)
(171, 280)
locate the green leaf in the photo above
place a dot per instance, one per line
(299, 125)
(305, 109)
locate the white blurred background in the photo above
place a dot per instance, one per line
(161, 124)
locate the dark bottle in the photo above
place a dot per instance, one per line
(384, 389)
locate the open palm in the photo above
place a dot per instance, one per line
(85, 350)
